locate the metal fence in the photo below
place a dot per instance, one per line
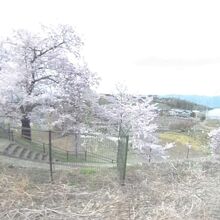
(55, 149)
(4, 132)
(122, 157)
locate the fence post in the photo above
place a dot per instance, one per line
(50, 157)
(76, 141)
(149, 159)
(44, 150)
(12, 135)
(67, 155)
(187, 154)
(122, 157)
(118, 152)
(85, 155)
(125, 160)
(9, 132)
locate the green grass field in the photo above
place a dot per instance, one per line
(197, 137)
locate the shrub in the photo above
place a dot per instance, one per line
(182, 125)
(215, 141)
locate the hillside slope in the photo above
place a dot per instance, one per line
(210, 101)
(169, 190)
(172, 102)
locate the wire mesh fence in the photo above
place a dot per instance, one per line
(55, 150)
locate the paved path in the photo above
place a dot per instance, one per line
(3, 144)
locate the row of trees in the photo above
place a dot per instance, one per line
(44, 79)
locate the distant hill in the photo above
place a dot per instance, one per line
(210, 101)
(167, 103)
(164, 103)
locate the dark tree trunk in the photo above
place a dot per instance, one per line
(26, 128)
(77, 143)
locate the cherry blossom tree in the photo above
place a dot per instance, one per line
(134, 116)
(43, 72)
(214, 136)
(75, 108)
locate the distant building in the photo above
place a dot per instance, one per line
(213, 114)
(180, 113)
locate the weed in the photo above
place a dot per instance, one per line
(87, 171)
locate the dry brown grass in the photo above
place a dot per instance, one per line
(175, 190)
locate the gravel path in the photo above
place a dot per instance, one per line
(3, 144)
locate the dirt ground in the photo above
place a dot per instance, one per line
(169, 190)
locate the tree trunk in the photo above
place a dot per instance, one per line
(26, 128)
(77, 143)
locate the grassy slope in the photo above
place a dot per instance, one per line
(181, 140)
(197, 137)
(171, 190)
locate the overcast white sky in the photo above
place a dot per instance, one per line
(153, 46)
